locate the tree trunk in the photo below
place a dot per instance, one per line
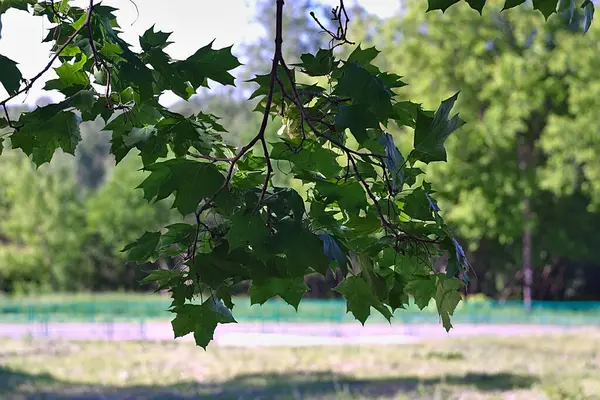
(527, 243)
(525, 152)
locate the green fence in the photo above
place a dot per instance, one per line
(319, 311)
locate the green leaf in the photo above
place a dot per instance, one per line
(144, 248)
(152, 40)
(358, 119)
(365, 88)
(208, 63)
(10, 77)
(72, 78)
(391, 80)
(364, 264)
(397, 297)
(302, 248)
(360, 299)
(362, 226)
(221, 265)
(263, 84)
(45, 130)
(447, 298)
(179, 237)
(138, 135)
(547, 7)
(289, 289)
(133, 128)
(320, 64)
(477, 5)
(350, 196)
(180, 293)
(224, 293)
(188, 132)
(247, 229)
(312, 157)
(417, 205)
(431, 132)
(287, 201)
(512, 3)
(5, 5)
(405, 113)
(422, 288)
(202, 320)
(191, 181)
(440, 4)
(164, 277)
(567, 8)
(363, 56)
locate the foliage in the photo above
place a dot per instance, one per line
(39, 220)
(545, 7)
(522, 87)
(367, 209)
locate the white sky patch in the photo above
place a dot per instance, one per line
(193, 23)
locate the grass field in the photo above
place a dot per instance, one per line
(529, 368)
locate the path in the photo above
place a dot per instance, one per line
(274, 334)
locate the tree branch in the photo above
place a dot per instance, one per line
(277, 59)
(57, 54)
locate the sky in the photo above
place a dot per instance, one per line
(193, 24)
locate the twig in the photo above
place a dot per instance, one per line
(384, 221)
(341, 16)
(57, 54)
(277, 59)
(209, 158)
(98, 61)
(8, 120)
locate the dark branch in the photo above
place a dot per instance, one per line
(57, 54)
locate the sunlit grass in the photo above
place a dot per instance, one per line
(533, 367)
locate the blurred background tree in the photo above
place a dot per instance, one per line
(81, 203)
